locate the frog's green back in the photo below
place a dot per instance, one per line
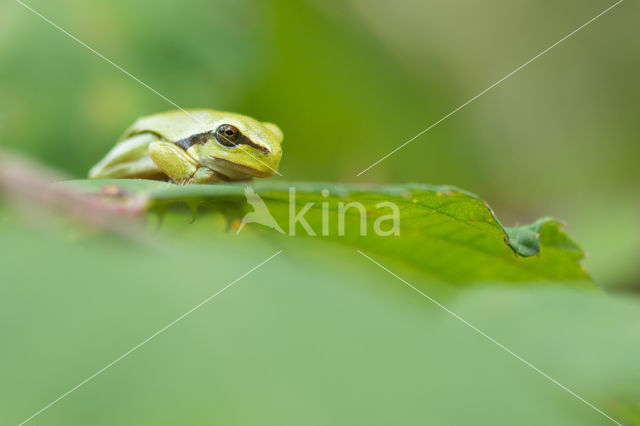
(192, 143)
(176, 125)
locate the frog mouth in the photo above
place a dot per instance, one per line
(236, 171)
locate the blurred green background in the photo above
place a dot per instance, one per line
(348, 81)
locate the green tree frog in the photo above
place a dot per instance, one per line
(194, 146)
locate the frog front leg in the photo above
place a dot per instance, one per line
(178, 165)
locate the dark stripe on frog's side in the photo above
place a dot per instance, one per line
(197, 139)
(202, 138)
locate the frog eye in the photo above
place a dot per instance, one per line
(227, 135)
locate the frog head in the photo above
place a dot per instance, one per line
(238, 147)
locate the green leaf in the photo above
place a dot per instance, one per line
(317, 336)
(447, 233)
